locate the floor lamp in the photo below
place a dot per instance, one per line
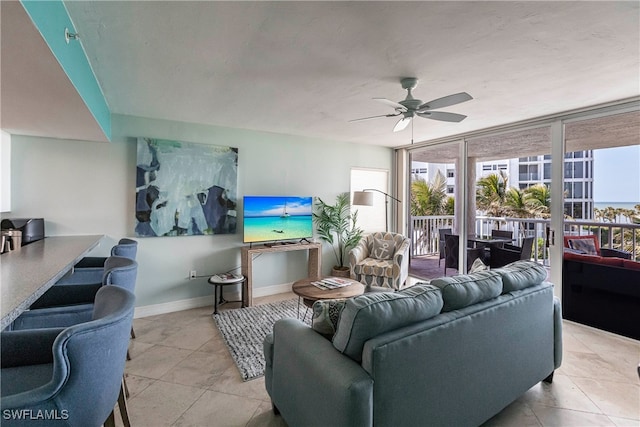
(365, 198)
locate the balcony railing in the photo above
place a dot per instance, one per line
(425, 240)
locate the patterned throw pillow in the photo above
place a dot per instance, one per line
(587, 246)
(478, 265)
(383, 249)
(326, 314)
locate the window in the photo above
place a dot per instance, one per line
(577, 210)
(450, 189)
(547, 171)
(371, 218)
(450, 173)
(568, 193)
(578, 170)
(528, 173)
(577, 190)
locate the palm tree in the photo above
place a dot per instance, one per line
(491, 194)
(450, 206)
(515, 201)
(538, 199)
(429, 198)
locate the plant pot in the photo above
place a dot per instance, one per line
(341, 272)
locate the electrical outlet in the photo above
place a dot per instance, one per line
(192, 274)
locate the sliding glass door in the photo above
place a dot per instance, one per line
(537, 182)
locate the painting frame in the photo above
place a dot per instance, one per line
(185, 188)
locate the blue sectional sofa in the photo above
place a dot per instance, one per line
(453, 352)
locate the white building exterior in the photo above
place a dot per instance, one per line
(525, 172)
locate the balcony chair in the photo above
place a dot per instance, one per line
(65, 305)
(500, 234)
(510, 253)
(441, 233)
(589, 245)
(381, 259)
(73, 375)
(451, 253)
(90, 269)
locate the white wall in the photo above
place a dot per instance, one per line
(5, 172)
(82, 187)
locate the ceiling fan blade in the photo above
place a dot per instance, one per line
(445, 101)
(391, 103)
(402, 123)
(442, 116)
(375, 117)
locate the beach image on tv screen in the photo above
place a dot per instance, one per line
(270, 218)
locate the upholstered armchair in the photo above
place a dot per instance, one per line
(588, 244)
(381, 259)
(73, 375)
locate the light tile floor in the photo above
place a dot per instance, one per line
(181, 374)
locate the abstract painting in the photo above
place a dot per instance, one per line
(185, 189)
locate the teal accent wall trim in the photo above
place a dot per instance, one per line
(50, 17)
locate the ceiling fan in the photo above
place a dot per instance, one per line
(411, 107)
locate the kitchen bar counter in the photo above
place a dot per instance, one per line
(27, 273)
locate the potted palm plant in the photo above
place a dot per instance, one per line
(336, 225)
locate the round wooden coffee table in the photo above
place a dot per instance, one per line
(309, 293)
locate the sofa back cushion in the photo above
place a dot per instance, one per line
(521, 274)
(587, 244)
(467, 289)
(372, 314)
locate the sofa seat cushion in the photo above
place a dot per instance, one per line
(594, 259)
(464, 290)
(374, 267)
(632, 265)
(372, 314)
(520, 275)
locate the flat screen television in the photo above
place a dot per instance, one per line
(277, 218)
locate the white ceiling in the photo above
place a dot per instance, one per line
(307, 68)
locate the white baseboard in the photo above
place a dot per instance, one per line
(187, 304)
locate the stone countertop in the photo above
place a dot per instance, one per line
(27, 273)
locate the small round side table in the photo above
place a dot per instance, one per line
(218, 282)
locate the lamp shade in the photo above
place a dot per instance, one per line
(362, 198)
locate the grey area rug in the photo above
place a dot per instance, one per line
(244, 329)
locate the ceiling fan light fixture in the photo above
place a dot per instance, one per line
(410, 106)
(402, 123)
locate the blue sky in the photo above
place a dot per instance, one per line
(274, 205)
(616, 174)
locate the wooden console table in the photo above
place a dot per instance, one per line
(248, 253)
